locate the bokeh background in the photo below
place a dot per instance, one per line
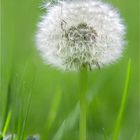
(45, 100)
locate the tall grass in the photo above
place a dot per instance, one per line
(6, 125)
(123, 104)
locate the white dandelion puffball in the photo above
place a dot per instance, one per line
(80, 33)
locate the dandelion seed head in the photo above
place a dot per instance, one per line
(76, 33)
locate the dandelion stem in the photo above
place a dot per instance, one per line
(83, 89)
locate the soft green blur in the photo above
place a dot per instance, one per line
(54, 107)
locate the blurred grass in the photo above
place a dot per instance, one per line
(54, 93)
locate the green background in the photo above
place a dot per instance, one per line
(53, 111)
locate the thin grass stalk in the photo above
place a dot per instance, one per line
(123, 104)
(25, 119)
(6, 124)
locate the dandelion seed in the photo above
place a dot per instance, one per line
(76, 33)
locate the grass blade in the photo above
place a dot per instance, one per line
(123, 103)
(53, 112)
(68, 123)
(26, 115)
(7, 123)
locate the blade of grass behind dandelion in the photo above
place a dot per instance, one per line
(19, 122)
(18, 102)
(68, 123)
(7, 123)
(26, 85)
(53, 112)
(60, 132)
(31, 74)
(123, 104)
(105, 136)
(8, 98)
(25, 119)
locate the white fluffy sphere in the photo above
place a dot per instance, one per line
(80, 33)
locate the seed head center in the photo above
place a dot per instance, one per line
(80, 34)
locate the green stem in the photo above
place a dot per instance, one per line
(123, 104)
(83, 89)
(6, 123)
